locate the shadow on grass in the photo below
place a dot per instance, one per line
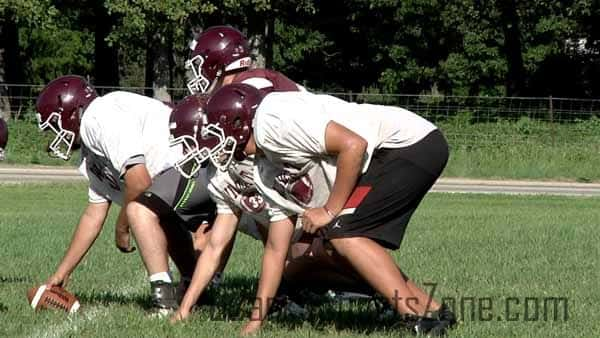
(108, 298)
(235, 298)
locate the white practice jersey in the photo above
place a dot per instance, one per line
(234, 191)
(120, 129)
(290, 126)
(295, 189)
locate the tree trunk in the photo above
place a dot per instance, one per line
(149, 66)
(512, 48)
(13, 70)
(106, 71)
(268, 43)
(158, 65)
(4, 102)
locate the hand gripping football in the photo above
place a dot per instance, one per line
(52, 297)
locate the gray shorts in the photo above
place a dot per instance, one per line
(176, 199)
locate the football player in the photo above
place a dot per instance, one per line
(386, 159)
(220, 55)
(3, 138)
(124, 141)
(240, 206)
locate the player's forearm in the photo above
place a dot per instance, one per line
(349, 163)
(270, 278)
(222, 234)
(206, 266)
(137, 180)
(88, 229)
(122, 223)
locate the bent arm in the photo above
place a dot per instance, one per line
(350, 149)
(137, 180)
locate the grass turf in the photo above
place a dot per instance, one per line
(484, 251)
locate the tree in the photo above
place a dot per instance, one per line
(32, 14)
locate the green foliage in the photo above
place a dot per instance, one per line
(521, 149)
(295, 44)
(27, 145)
(416, 46)
(58, 52)
(31, 13)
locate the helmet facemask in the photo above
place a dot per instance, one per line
(193, 158)
(199, 83)
(222, 154)
(62, 144)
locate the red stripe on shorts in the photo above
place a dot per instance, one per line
(358, 195)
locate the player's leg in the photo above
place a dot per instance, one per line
(155, 215)
(376, 215)
(315, 265)
(375, 264)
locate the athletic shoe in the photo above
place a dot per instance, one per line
(164, 300)
(444, 313)
(216, 281)
(425, 326)
(283, 306)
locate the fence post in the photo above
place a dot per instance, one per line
(551, 115)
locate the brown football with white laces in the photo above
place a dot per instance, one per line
(52, 297)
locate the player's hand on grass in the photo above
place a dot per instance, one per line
(58, 279)
(314, 219)
(179, 316)
(251, 328)
(123, 239)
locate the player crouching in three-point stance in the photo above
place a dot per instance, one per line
(386, 159)
(124, 140)
(240, 206)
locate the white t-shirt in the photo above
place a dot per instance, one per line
(120, 129)
(290, 126)
(234, 190)
(295, 189)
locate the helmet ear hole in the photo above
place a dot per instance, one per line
(237, 123)
(222, 119)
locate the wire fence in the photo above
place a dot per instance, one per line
(482, 121)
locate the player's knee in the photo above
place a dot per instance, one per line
(137, 212)
(343, 245)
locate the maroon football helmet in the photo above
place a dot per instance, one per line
(3, 138)
(216, 51)
(229, 115)
(59, 108)
(185, 124)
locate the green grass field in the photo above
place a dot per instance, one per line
(487, 250)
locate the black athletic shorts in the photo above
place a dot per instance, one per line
(177, 200)
(387, 195)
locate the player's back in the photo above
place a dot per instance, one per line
(267, 80)
(121, 124)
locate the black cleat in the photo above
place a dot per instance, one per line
(437, 324)
(164, 300)
(444, 313)
(283, 306)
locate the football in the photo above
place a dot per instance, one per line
(54, 297)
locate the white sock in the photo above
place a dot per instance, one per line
(161, 276)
